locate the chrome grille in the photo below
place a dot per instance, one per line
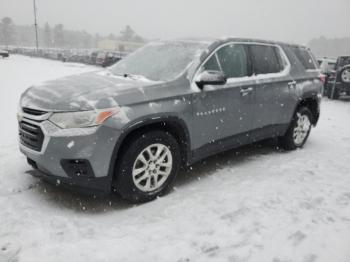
(31, 135)
(34, 112)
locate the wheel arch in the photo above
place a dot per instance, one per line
(312, 103)
(172, 124)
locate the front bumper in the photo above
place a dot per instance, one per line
(76, 157)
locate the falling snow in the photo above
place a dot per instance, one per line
(256, 203)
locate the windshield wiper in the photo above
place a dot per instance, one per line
(132, 76)
(136, 77)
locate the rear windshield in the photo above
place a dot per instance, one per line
(305, 58)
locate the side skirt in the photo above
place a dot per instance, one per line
(236, 141)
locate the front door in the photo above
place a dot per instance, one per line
(224, 111)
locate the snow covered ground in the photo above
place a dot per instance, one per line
(256, 203)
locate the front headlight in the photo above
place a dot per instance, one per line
(83, 118)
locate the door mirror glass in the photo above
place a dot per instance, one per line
(210, 77)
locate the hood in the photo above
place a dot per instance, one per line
(87, 91)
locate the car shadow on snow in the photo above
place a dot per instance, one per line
(230, 158)
(69, 199)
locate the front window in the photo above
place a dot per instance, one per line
(230, 59)
(233, 60)
(160, 61)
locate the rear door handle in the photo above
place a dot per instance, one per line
(246, 91)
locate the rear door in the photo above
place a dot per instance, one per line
(273, 88)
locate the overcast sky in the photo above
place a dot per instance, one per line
(289, 20)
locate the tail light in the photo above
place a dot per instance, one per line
(322, 78)
(332, 74)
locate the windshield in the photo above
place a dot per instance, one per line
(160, 61)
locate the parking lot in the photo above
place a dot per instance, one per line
(236, 206)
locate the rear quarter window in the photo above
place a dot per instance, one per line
(305, 58)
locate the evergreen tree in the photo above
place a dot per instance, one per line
(47, 35)
(127, 34)
(58, 36)
(7, 31)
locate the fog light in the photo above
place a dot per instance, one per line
(77, 167)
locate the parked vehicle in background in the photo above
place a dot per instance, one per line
(65, 54)
(339, 80)
(101, 58)
(93, 57)
(327, 67)
(4, 53)
(167, 105)
(111, 59)
(77, 57)
(105, 59)
(86, 56)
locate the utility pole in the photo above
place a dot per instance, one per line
(36, 27)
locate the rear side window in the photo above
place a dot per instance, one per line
(304, 57)
(265, 59)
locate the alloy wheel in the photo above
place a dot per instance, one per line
(152, 167)
(301, 129)
(345, 76)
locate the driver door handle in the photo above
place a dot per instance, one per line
(246, 91)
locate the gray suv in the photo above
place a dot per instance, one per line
(131, 127)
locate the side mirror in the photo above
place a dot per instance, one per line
(210, 78)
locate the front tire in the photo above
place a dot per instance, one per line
(148, 166)
(299, 130)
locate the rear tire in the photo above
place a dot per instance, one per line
(345, 75)
(148, 166)
(298, 131)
